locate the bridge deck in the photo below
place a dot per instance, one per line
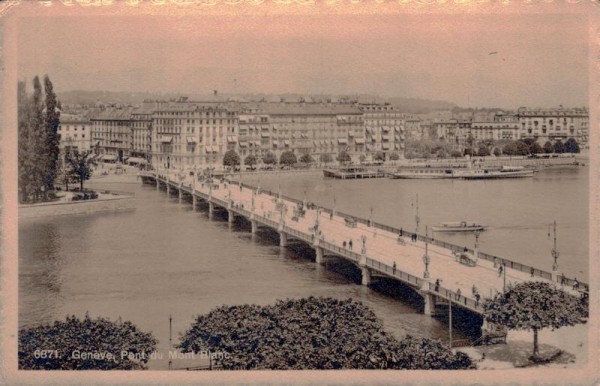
(382, 247)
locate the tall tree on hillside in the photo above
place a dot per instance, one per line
(52, 120)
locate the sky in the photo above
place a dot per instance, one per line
(473, 60)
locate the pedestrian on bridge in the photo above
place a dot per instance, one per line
(437, 285)
(394, 268)
(458, 294)
(575, 284)
(474, 290)
(563, 279)
(344, 244)
(350, 244)
(500, 271)
(401, 232)
(532, 271)
(477, 298)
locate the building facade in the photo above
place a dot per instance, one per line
(552, 124)
(111, 133)
(187, 134)
(74, 133)
(384, 129)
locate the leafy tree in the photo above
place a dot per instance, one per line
(510, 148)
(456, 154)
(306, 159)
(535, 148)
(269, 159)
(534, 306)
(326, 158)
(559, 147)
(52, 121)
(394, 156)
(343, 157)
(522, 147)
(80, 165)
(468, 151)
(288, 158)
(250, 160)
(442, 153)
(231, 158)
(362, 158)
(86, 335)
(571, 146)
(528, 141)
(379, 156)
(66, 174)
(548, 147)
(38, 121)
(497, 152)
(311, 333)
(483, 151)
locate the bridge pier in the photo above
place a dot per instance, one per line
(366, 276)
(157, 183)
(180, 194)
(211, 208)
(319, 255)
(283, 239)
(254, 226)
(230, 216)
(429, 304)
(194, 201)
(168, 188)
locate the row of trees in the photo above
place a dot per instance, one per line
(521, 147)
(38, 150)
(288, 158)
(308, 333)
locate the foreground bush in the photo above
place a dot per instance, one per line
(311, 333)
(85, 344)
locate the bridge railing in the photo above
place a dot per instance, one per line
(298, 234)
(454, 297)
(406, 277)
(339, 250)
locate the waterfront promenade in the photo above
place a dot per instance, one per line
(330, 233)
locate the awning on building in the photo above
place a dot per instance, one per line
(275, 143)
(369, 146)
(136, 160)
(342, 141)
(166, 139)
(265, 127)
(385, 137)
(316, 143)
(232, 138)
(359, 141)
(265, 135)
(385, 146)
(287, 142)
(385, 128)
(109, 157)
(191, 140)
(243, 144)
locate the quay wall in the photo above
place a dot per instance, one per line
(77, 207)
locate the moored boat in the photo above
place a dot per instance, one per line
(459, 226)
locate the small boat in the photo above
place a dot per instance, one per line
(459, 226)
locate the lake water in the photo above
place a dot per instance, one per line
(165, 259)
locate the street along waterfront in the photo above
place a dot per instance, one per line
(164, 259)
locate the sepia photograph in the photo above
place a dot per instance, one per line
(253, 192)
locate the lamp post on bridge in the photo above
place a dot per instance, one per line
(426, 258)
(477, 233)
(417, 218)
(371, 217)
(555, 252)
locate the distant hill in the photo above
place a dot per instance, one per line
(408, 105)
